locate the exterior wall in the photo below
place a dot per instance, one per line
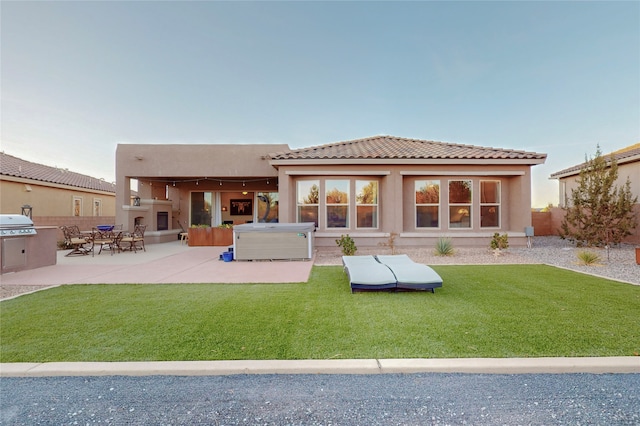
(629, 170)
(85, 223)
(51, 199)
(397, 201)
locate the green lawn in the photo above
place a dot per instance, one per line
(481, 311)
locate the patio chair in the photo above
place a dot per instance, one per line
(134, 240)
(73, 238)
(409, 274)
(366, 274)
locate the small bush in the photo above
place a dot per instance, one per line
(391, 242)
(500, 242)
(347, 245)
(588, 258)
(444, 247)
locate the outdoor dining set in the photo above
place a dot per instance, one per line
(107, 237)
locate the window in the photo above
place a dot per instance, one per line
(267, 207)
(366, 204)
(337, 203)
(489, 204)
(427, 200)
(460, 203)
(308, 197)
(201, 205)
(97, 207)
(77, 206)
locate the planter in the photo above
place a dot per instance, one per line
(200, 237)
(637, 255)
(222, 236)
(210, 237)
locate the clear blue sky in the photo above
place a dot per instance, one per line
(553, 77)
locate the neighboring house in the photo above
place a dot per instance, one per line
(373, 189)
(628, 160)
(56, 196)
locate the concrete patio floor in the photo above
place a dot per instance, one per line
(161, 264)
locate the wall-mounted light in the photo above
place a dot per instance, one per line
(197, 183)
(267, 181)
(243, 184)
(224, 208)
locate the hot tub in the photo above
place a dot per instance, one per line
(273, 241)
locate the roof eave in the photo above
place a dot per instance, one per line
(410, 161)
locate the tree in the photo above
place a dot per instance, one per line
(599, 212)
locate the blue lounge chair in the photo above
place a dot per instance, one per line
(409, 274)
(366, 273)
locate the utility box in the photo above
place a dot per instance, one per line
(273, 241)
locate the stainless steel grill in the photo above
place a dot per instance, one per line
(16, 225)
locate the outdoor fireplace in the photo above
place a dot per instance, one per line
(162, 221)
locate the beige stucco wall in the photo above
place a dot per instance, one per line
(629, 170)
(168, 174)
(51, 199)
(396, 201)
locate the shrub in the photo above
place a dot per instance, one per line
(391, 242)
(347, 245)
(499, 242)
(588, 258)
(444, 247)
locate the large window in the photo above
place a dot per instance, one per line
(337, 203)
(427, 198)
(366, 203)
(201, 205)
(267, 207)
(308, 197)
(460, 203)
(489, 204)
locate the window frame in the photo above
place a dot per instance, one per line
(438, 204)
(376, 205)
(346, 205)
(459, 206)
(497, 204)
(299, 205)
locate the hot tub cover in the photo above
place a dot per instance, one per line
(274, 227)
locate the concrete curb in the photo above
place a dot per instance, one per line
(348, 366)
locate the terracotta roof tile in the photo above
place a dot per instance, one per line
(17, 167)
(621, 156)
(391, 147)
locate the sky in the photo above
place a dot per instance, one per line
(79, 78)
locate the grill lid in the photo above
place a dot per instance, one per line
(15, 224)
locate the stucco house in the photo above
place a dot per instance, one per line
(371, 188)
(628, 160)
(56, 196)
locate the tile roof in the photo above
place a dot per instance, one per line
(626, 155)
(391, 147)
(17, 167)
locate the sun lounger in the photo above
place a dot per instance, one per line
(366, 273)
(409, 274)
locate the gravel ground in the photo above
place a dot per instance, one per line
(618, 264)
